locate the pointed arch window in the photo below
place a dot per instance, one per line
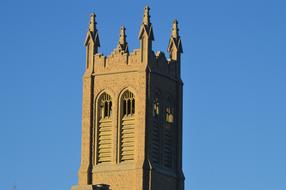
(156, 131)
(127, 127)
(169, 115)
(104, 129)
(128, 102)
(156, 107)
(168, 135)
(105, 106)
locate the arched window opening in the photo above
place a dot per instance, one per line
(105, 106)
(168, 135)
(128, 102)
(169, 115)
(104, 129)
(127, 127)
(169, 111)
(156, 108)
(156, 150)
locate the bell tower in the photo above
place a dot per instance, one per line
(132, 114)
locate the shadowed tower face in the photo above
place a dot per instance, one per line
(132, 114)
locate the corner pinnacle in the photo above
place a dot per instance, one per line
(92, 33)
(122, 44)
(146, 18)
(92, 23)
(122, 38)
(175, 29)
(175, 39)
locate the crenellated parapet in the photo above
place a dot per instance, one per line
(121, 60)
(163, 65)
(132, 113)
(117, 62)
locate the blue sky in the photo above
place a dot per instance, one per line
(233, 68)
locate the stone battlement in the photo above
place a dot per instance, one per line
(132, 114)
(116, 62)
(120, 60)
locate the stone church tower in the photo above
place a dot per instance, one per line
(132, 114)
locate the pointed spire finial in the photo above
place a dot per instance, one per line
(175, 29)
(92, 23)
(146, 36)
(175, 44)
(146, 18)
(92, 33)
(122, 39)
(122, 44)
(146, 26)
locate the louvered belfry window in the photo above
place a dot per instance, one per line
(168, 135)
(127, 127)
(156, 132)
(104, 129)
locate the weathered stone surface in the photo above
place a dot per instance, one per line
(132, 114)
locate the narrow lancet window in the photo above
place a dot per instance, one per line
(156, 132)
(156, 109)
(104, 129)
(168, 135)
(127, 127)
(105, 106)
(169, 115)
(128, 102)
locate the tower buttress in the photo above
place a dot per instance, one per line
(92, 43)
(146, 36)
(175, 47)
